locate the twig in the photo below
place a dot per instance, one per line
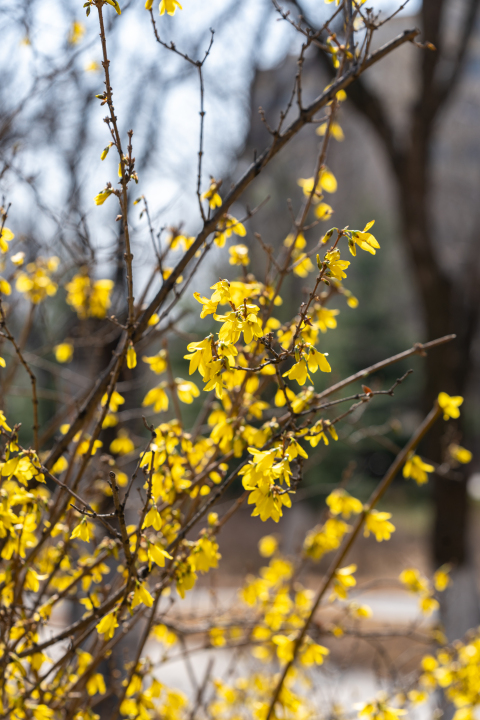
(33, 381)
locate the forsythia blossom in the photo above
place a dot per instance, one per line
(416, 469)
(450, 405)
(169, 7)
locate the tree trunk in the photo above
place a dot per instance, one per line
(447, 369)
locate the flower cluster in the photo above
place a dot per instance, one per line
(115, 513)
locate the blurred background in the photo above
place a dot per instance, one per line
(410, 159)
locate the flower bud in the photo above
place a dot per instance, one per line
(327, 236)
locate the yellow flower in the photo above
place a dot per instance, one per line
(460, 454)
(267, 546)
(321, 540)
(441, 578)
(209, 306)
(323, 211)
(379, 710)
(307, 185)
(280, 399)
(200, 355)
(335, 130)
(100, 298)
(183, 240)
(252, 325)
(222, 294)
(102, 196)
(63, 352)
(157, 554)
(3, 421)
(239, 255)
(186, 390)
(77, 31)
(169, 6)
(226, 226)
(328, 181)
(6, 236)
(360, 611)
(205, 555)
(5, 287)
(82, 531)
(122, 445)
(89, 299)
(115, 5)
(298, 372)
(217, 637)
(158, 363)
(167, 271)
(18, 259)
(352, 301)
(107, 625)
(326, 318)
(96, 684)
(115, 401)
(153, 519)
(317, 361)
(131, 357)
(92, 66)
(285, 647)
(32, 580)
(156, 397)
(365, 240)
(417, 697)
(450, 405)
(214, 199)
(40, 712)
(335, 266)
(428, 604)
(378, 524)
(413, 581)
(83, 447)
(317, 432)
(164, 635)
(215, 381)
(60, 465)
(185, 578)
(36, 282)
(417, 469)
(311, 653)
(267, 498)
(341, 502)
(141, 595)
(302, 265)
(300, 242)
(343, 580)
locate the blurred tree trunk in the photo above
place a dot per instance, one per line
(449, 370)
(449, 304)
